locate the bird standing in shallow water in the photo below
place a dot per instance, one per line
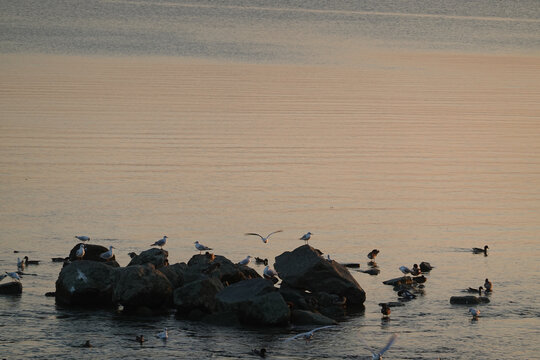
(261, 353)
(264, 239)
(139, 339)
(416, 270)
(306, 237)
(474, 312)
(385, 309)
(373, 254)
(480, 251)
(488, 286)
(201, 247)
(161, 242)
(164, 335)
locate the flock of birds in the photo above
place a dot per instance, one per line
(269, 273)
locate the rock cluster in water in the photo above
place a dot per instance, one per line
(212, 288)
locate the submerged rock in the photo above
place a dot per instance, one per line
(11, 288)
(468, 300)
(85, 283)
(141, 285)
(304, 268)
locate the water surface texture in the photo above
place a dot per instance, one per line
(412, 127)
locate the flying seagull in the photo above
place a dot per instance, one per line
(308, 335)
(82, 238)
(378, 355)
(264, 239)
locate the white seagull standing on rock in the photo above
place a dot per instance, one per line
(201, 247)
(82, 238)
(80, 252)
(378, 356)
(107, 255)
(270, 273)
(306, 237)
(264, 239)
(308, 335)
(246, 261)
(163, 335)
(161, 242)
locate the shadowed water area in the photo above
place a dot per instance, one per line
(410, 127)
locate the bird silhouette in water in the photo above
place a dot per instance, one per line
(373, 254)
(385, 310)
(480, 251)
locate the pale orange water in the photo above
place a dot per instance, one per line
(422, 155)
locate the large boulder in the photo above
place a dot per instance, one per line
(154, 256)
(11, 288)
(198, 295)
(141, 286)
(93, 252)
(175, 273)
(304, 268)
(255, 301)
(219, 267)
(85, 283)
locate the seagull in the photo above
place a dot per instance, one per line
(264, 239)
(306, 237)
(480, 251)
(373, 254)
(308, 335)
(20, 264)
(30, 262)
(246, 261)
(160, 242)
(80, 252)
(378, 356)
(201, 247)
(404, 269)
(269, 273)
(82, 238)
(476, 291)
(488, 286)
(163, 335)
(107, 255)
(13, 275)
(474, 312)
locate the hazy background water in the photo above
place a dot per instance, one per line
(412, 127)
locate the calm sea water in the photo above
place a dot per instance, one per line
(284, 116)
